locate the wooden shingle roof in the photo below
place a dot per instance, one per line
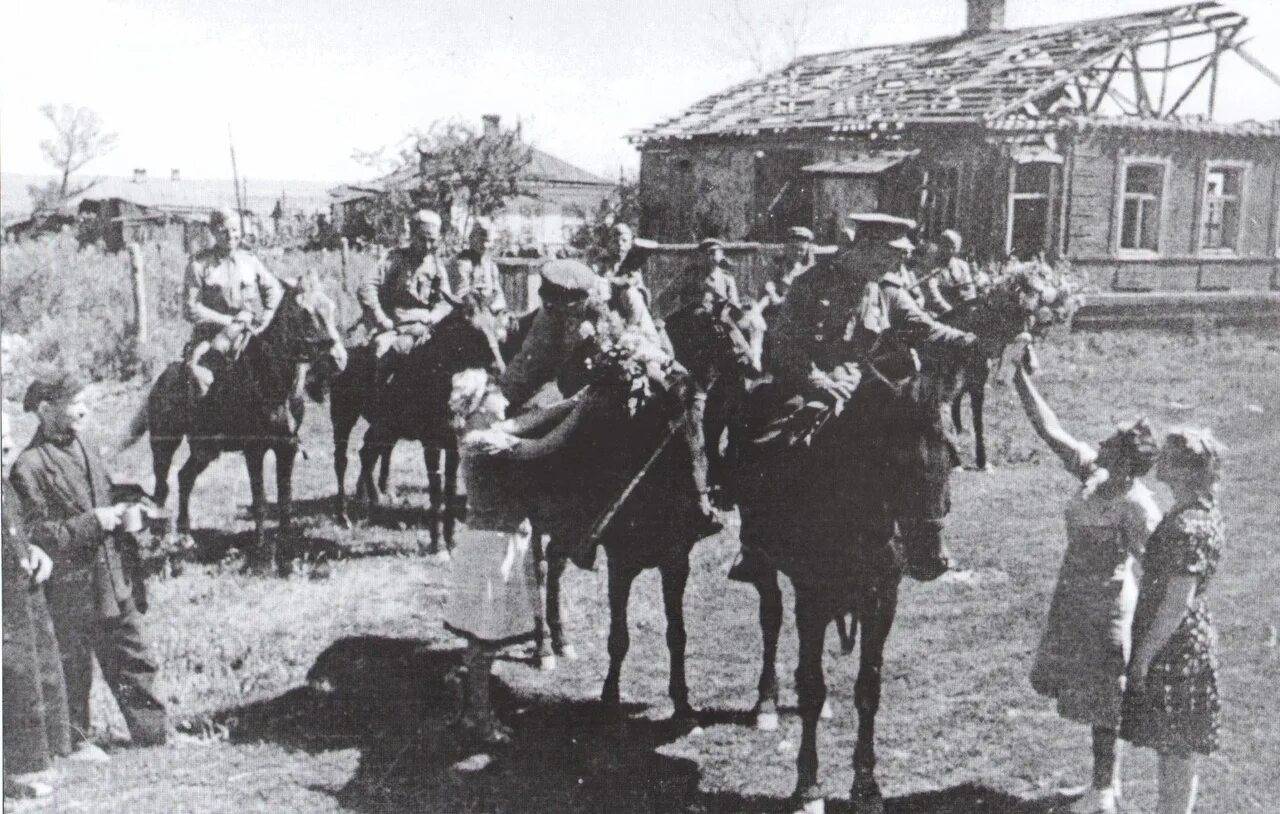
(972, 77)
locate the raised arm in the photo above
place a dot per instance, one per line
(530, 448)
(1073, 454)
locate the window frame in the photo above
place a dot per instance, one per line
(1048, 196)
(1122, 177)
(1207, 166)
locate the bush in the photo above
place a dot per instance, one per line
(74, 308)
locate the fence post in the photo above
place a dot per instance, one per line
(137, 269)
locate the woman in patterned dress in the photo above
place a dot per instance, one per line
(1084, 651)
(494, 596)
(1171, 703)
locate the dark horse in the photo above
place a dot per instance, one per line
(625, 481)
(250, 408)
(414, 405)
(845, 516)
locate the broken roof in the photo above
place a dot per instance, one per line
(971, 77)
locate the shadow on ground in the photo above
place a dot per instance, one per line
(393, 700)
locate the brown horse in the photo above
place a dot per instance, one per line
(251, 408)
(847, 514)
(414, 405)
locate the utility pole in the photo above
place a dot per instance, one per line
(235, 179)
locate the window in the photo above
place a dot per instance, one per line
(939, 203)
(1140, 207)
(1031, 188)
(1220, 210)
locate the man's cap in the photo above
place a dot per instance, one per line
(570, 274)
(427, 217)
(881, 228)
(953, 237)
(52, 387)
(710, 243)
(800, 233)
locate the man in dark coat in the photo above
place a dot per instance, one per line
(66, 498)
(35, 697)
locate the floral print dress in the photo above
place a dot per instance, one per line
(1176, 711)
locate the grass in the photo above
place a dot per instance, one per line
(960, 729)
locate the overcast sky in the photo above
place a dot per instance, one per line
(304, 82)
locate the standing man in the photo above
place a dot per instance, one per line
(952, 281)
(35, 695)
(407, 294)
(475, 270)
(66, 498)
(229, 296)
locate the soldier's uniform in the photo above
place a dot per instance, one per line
(951, 285)
(479, 273)
(568, 287)
(403, 298)
(229, 294)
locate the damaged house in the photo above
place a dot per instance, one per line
(1093, 141)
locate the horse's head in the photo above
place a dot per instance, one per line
(471, 335)
(306, 326)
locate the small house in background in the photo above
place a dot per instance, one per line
(1093, 141)
(557, 198)
(145, 207)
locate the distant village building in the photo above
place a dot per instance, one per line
(557, 199)
(116, 211)
(1070, 140)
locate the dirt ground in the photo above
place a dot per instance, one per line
(960, 729)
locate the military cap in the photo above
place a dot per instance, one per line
(426, 217)
(570, 274)
(710, 243)
(800, 233)
(879, 227)
(953, 237)
(52, 387)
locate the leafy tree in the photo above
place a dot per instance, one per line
(78, 139)
(452, 168)
(622, 205)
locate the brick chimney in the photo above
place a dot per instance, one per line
(139, 175)
(984, 16)
(174, 175)
(491, 124)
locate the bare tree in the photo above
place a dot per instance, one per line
(78, 139)
(766, 40)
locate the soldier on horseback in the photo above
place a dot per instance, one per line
(475, 270)
(407, 294)
(848, 319)
(230, 296)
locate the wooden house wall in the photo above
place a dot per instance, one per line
(1096, 194)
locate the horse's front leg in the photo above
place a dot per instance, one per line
(876, 609)
(452, 500)
(285, 455)
(675, 576)
(254, 456)
(341, 435)
(432, 458)
(812, 616)
(197, 461)
(620, 579)
(977, 401)
(770, 628)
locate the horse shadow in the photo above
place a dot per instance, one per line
(394, 700)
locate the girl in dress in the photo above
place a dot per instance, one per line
(1082, 656)
(494, 594)
(1171, 702)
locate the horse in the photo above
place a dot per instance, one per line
(845, 515)
(251, 408)
(413, 405)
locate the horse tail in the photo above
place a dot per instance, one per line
(138, 426)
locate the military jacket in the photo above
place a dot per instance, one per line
(219, 286)
(479, 273)
(826, 322)
(405, 280)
